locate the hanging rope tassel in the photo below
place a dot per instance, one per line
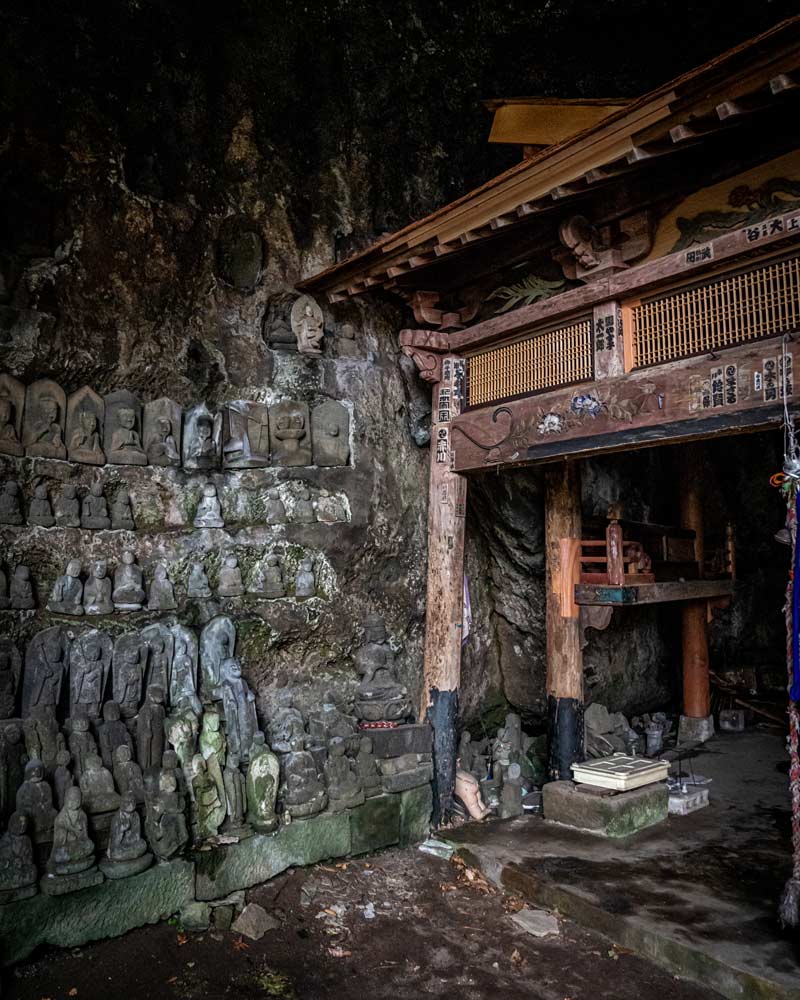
(789, 910)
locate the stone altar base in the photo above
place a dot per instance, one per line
(617, 815)
(104, 910)
(124, 869)
(59, 885)
(412, 738)
(691, 730)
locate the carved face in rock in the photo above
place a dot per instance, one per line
(272, 560)
(365, 746)
(307, 565)
(155, 694)
(209, 490)
(69, 492)
(111, 711)
(169, 760)
(131, 655)
(73, 568)
(12, 490)
(80, 724)
(93, 762)
(336, 747)
(204, 429)
(332, 430)
(91, 650)
(34, 770)
(48, 410)
(123, 498)
(161, 573)
(232, 667)
(231, 562)
(375, 629)
(127, 803)
(96, 489)
(123, 754)
(99, 569)
(128, 557)
(167, 782)
(40, 492)
(73, 799)
(52, 649)
(17, 824)
(88, 421)
(126, 418)
(22, 574)
(164, 427)
(13, 734)
(63, 757)
(211, 721)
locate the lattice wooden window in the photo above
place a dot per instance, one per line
(545, 361)
(753, 304)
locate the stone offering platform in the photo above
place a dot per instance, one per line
(696, 894)
(610, 815)
(116, 907)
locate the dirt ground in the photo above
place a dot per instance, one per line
(438, 930)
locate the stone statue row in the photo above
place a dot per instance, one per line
(93, 511)
(41, 422)
(202, 770)
(99, 594)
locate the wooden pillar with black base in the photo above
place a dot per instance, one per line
(447, 500)
(564, 655)
(696, 723)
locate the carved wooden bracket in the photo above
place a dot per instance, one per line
(424, 305)
(425, 348)
(594, 616)
(589, 253)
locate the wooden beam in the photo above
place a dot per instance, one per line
(564, 657)
(667, 592)
(540, 121)
(447, 498)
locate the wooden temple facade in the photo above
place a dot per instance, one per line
(631, 284)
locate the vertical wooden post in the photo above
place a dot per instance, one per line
(696, 685)
(447, 498)
(564, 657)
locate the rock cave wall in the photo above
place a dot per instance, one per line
(166, 178)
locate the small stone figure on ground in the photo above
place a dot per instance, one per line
(238, 703)
(18, 873)
(230, 578)
(71, 865)
(150, 729)
(304, 508)
(97, 590)
(162, 593)
(367, 768)
(214, 748)
(128, 592)
(197, 586)
(263, 779)
(302, 791)
(81, 744)
(273, 587)
(62, 778)
(275, 510)
(209, 511)
(236, 797)
(286, 724)
(10, 509)
(22, 595)
(94, 510)
(341, 778)
(40, 512)
(127, 774)
(209, 808)
(122, 512)
(35, 800)
(308, 326)
(97, 787)
(67, 595)
(165, 825)
(127, 852)
(305, 585)
(112, 733)
(68, 508)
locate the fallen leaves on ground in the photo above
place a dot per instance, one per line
(339, 952)
(240, 945)
(182, 940)
(516, 958)
(73, 992)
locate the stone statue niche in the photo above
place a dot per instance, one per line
(150, 735)
(230, 578)
(217, 644)
(330, 433)
(305, 509)
(341, 778)
(94, 509)
(274, 509)
(209, 808)
(160, 645)
(46, 665)
(128, 593)
(10, 503)
(43, 422)
(308, 326)
(67, 595)
(197, 586)
(183, 678)
(239, 708)
(18, 873)
(209, 511)
(290, 437)
(112, 733)
(12, 406)
(277, 330)
(239, 253)
(10, 672)
(85, 417)
(305, 584)
(201, 438)
(183, 727)
(123, 429)
(43, 739)
(245, 435)
(97, 590)
(89, 669)
(380, 696)
(82, 743)
(40, 512)
(268, 580)
(286, 723)
(235, 824)
(68, 507)
(128, 667)
(162, 432)
(35, 800)
(346, 346)
(97, 787)
(165, 824)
